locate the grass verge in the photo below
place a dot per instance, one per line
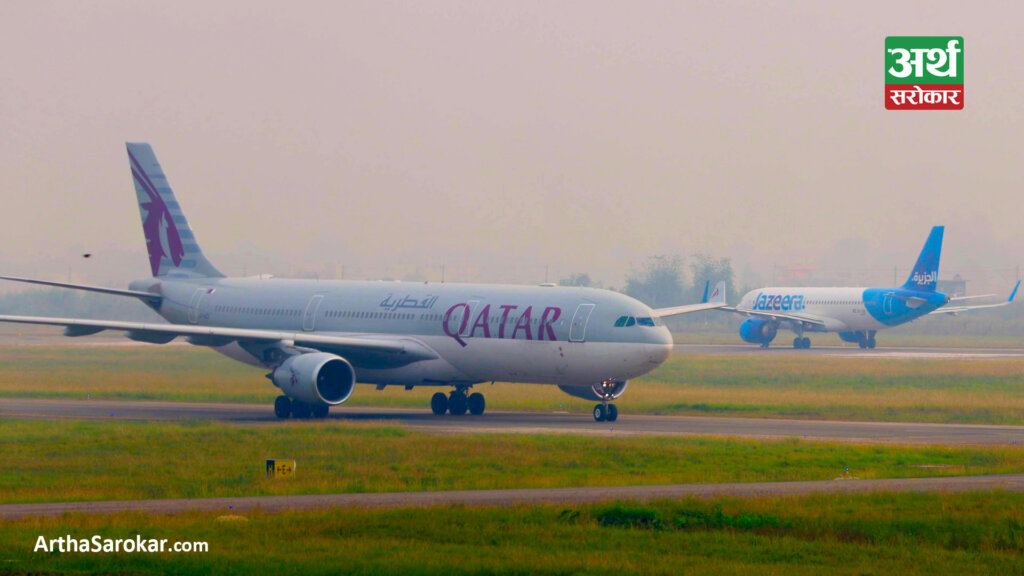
(978, 533)
(90, 460)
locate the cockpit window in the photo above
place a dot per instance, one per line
(625, 321)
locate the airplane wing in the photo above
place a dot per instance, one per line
(391, 350)
(716, 300)
(952, 310)
(807, 321)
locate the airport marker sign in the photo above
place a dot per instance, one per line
(924, 73)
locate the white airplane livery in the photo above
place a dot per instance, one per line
(857, 314)
(318, 339)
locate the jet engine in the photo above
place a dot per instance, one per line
(317, 377)
(854, 337)
(758, 331)
(613, 389)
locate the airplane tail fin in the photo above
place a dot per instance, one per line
(926, 271)
(172, 246)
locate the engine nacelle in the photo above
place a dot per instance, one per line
(316, 378)
(758, 331)
(612, 389)
(853, 337)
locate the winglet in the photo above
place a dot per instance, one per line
(715, 300)
(706, 285)
(717, 295)
(1014, 293)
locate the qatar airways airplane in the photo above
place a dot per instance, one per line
(855, 313)
(318, 338)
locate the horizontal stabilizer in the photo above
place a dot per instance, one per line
(953, 310)
(155, 298)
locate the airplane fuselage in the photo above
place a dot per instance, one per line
(535, 334)
(844, 309)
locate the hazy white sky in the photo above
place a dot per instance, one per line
(381, 138)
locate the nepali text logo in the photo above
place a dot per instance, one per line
(459, 322)
(924, 73)
(776, 302)
(924, 279)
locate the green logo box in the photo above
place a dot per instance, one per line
(924, 60)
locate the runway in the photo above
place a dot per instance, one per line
(587, 495)
(851, 351)
(47, 337)
(531, 422)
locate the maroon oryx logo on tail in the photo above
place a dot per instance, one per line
(162, 237)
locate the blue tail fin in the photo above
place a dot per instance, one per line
(169, 240)
(926, 271)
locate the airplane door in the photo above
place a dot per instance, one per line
(193, 305)
(887, 303)
(578, 328)
(309, 318)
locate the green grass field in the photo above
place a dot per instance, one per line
(90, 460)
(58, 460)
(971, 390)
(880, 534)
(913, 335)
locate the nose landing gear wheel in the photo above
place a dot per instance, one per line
(439, 403)
(283, 407)
(606, 413)
(476, 403)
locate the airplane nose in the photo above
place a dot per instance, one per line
(658, 345)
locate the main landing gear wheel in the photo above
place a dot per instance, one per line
(476, 403)
(871, 343)
(457, 403)
(439, 403)
(283, 406)
(321, 411)
(301, 409)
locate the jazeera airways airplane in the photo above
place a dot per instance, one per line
(318, 338)
(857, 314)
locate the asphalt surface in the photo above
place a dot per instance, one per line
(850, 351)
(530, 422)
(1008, 482)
